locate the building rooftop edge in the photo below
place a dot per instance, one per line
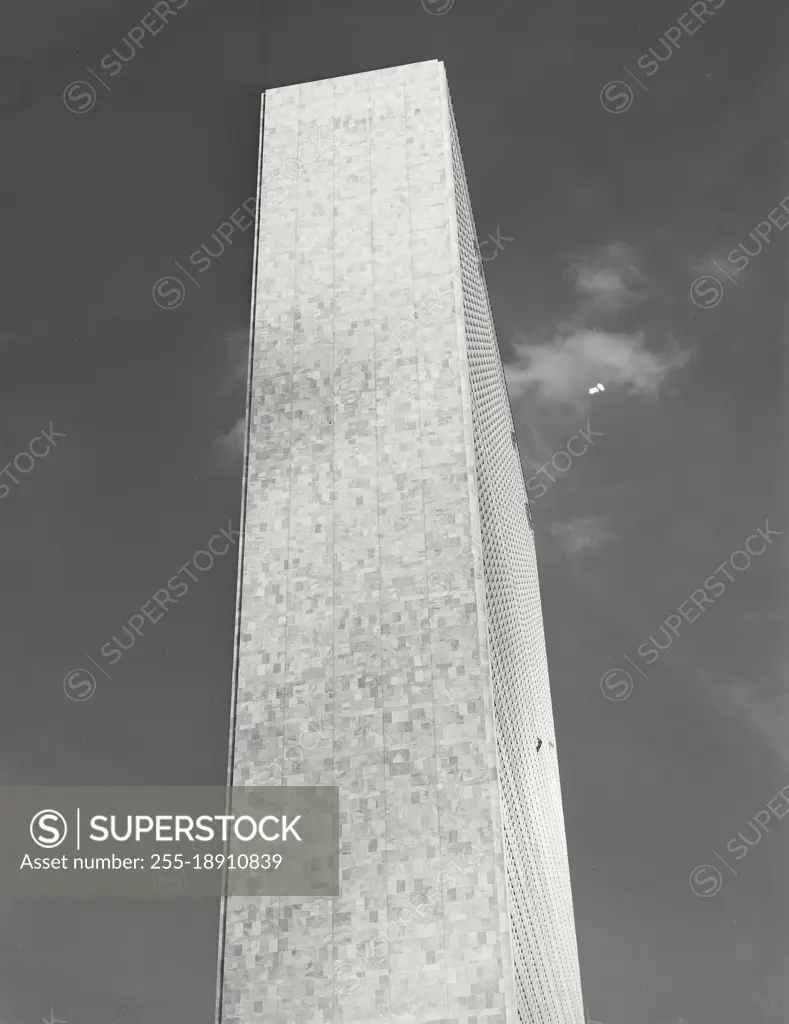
(355, 74)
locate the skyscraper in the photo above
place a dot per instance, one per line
(390, 637)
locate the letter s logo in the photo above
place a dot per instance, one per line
(48, 829)
(79, 100)
(169, 297)
(616, 101)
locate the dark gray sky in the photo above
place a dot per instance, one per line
(612, 216)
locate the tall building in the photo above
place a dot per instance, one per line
(390, 637)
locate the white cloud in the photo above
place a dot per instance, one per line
(563, 370)
(563, 364)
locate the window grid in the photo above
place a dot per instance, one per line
(538, 880)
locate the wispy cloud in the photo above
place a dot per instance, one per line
(586, 533)
(227, 449)
(609, 277)
(234, 377)
(766, 708)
